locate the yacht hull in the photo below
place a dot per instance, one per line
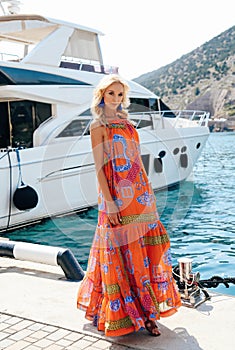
(64, 177)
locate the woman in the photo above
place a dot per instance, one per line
(129, 283)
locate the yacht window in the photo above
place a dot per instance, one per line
(76, 128)
(155, 104)
(21, 76)
(87, 112)
(142, 123)
(146, 104)
(138, 105)
(151, 104)
(163, 107)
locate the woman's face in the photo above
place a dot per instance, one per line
(113, 95)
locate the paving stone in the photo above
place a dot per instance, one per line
(3, 318)
(60, 333)
(43, 343)
(49, 329)
(21, 334)
(36, 326)
(39, 334)
(32, 347)
(81, 344)
(19, 345)
(10, 330)
(30, 339)
(21, 325)
(120, 347)
(92, 347)
(78, 347)
(89, 338)
(13, 320)
(3, 335)
(63, 342)
(74, 336)
(55, 347)
(102, 344)
(3, 325)
(5, 343)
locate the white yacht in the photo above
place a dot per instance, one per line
(46, 86)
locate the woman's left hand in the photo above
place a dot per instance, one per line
(113, 213)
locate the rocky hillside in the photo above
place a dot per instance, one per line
(203, 79)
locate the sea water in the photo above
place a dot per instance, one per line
(198, 214)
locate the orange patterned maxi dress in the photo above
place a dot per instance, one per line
(129, 274)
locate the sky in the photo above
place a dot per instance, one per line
(142, 36)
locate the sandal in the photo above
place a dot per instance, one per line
(152, 328)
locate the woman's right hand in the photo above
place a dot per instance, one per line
(113, 213)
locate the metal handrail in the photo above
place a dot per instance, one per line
(12, 57)
(201, 117)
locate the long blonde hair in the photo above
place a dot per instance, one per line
(104, 83)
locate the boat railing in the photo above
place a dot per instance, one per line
(199, 118)
(9, 57)
(70, 64)
(88, 67)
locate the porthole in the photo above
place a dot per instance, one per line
(161, 154)
(183, 149)
(176, 151)
(198, 145)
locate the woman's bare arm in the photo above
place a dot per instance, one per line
(97, 142)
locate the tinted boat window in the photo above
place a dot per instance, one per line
(140, 123)
(75, 128)
(19, 76)
(87, 112)
(151, 104)
(138, 105)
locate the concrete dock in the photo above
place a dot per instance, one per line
(38, 311)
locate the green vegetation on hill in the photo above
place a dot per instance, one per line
(203, 78)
